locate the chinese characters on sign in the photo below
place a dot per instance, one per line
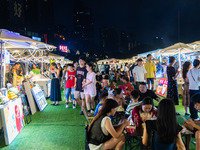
(17, 9)
(162, 87)
(64, 49)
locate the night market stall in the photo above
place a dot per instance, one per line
(18, 48)
(178, 50)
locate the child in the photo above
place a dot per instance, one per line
(103, 97)
(127, 87)
(89, 87)
(70, 81)
(134, 102)
(113, 86)
(105, 83)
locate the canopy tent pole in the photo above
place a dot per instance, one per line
(26, 66)
(179, 58)
(42, 67)
(2, 64)
(160, 56)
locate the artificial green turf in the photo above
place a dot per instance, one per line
(58, 128)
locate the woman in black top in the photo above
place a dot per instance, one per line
(102, 134)
(55, 96)
(61, 71)
(172, 87)
(165, 130)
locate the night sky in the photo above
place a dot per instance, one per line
(146, 18)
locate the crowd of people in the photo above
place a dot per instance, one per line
(102, 91)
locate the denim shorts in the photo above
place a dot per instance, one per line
(67, 93)
(150, 80)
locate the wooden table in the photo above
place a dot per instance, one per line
(134, 140)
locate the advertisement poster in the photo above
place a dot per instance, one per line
(162, 87)
(13, 120)
(39, 97)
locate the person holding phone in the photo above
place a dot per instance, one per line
(164, 132)
(102, 134)
(55, 96)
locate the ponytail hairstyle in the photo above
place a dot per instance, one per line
(108, 105)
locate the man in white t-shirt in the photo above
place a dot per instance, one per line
(193, 76)
(139, 73)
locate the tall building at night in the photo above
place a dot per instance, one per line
(123, 41)
(109, 40)
(83, 24)
(12, 14)
(27, 17)
(39, 15)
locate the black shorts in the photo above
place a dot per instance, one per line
(150, 80)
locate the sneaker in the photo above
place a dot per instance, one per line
(81, 113)
(186, 114)
(90, 115)
(67, 106)
(74, 107)
(198, 119)
(91, 111)
(70, 100)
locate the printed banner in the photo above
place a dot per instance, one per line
(13, 119)
(39, 97)
(162, 87)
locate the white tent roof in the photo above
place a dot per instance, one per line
(13, 40)
(174, 49)
(146, 53)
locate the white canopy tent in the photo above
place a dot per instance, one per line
(19, 46)
(146, 53)
(178, 48)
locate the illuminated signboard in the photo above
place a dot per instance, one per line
(63, 48)
(162, 87)
(36, 38)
